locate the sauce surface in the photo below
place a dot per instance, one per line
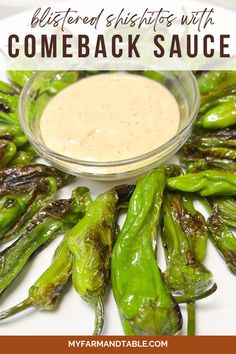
(110, 117)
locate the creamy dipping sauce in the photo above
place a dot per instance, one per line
(110, 117)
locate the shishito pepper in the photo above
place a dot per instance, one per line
(194, 165)
(206, 106)
(19, 77)
(224, 240)
(44, 294)
(7, 88)
(220, 233)
(90, 242)
(221, 116)
(17, 209)
(212, 83)
(19, 179)
(7, 152)
(225, 208)
(13, 133)
(206, 183)
(184, 238)
(54, 218)
(143, 300)
(24, 190)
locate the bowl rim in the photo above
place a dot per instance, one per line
(149, 155)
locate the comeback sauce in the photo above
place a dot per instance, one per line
(110, 117)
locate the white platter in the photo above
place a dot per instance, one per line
(216, 315)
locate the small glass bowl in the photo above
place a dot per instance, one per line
(34, 98)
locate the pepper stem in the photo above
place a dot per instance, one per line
(99, 317)
(191, 309)
(16, 309)
(185, 299)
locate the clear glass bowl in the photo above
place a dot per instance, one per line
(36, 95)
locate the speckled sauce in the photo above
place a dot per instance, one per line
(110, 117)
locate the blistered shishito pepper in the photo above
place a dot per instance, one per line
(197, 165)
(17, 209)
(13, 133)
(8, 108)
(221, 116)
(23, 191)
(212, 83)
(223, 239)
(143, 300)
(225, 208)
(194, 225)
(206, 106)
(47, 222)
(22, 158)
(184, 237)
(19, 77)
(218, 138)
(24, 178)
(206, 183)
(7, 152)
(90, 243)
(7, 88)
(44, 294)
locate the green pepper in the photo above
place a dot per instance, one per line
(206, 183)
(22, 158)
(193, 165)
(221, 116)
(45, 292)
(184, 236)
(223, 239)
(212, 83)
(7, 152)
(9, 101)
(218, 138)
(46, 223)
(19, 179)
(225, 208)
(143, 300)
(7, 88)
(206, 106)
(90, 242)
(17, 209)
(13, 133)
(19, 77)
(195, 227)
(215, 152)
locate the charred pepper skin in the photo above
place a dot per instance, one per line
(225, 208)
(24, 190)
(206, 183)
(54, 218)
(143, 300)
(184, 239)
(223, 239)
(18, 209)
(20, 179)
(198, 165)
(45, 293)
(90, 242)
(213, 83)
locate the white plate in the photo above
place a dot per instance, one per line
(215, 314)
